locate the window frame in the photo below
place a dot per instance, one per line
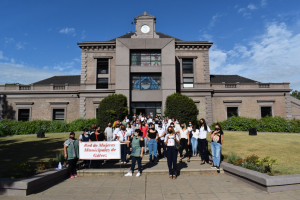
(108, 68)
(24, 105)
(232, 103)
(191, 83)
(59, 105)
(103, 88)
(232, 106)
(144, 74)
(151, 51)
(192, 65)
(53, 114)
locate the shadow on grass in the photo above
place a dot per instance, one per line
(15, 151)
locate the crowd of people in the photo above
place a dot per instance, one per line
(156, 137)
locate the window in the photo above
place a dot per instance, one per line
(232, 111)
(266, 111)
(96, 113)
(102, 66)
(102, 83)
(23, 114)
(145, 58)
(187, 66)
(188, 82)
(59, 114)
(145, 81)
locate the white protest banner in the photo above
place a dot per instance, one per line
(99, 150)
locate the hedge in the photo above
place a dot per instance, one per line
(13, 127)
(266, 124)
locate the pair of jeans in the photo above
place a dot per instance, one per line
(194, 143)
(160, 145)
(145, 142)
(216, 153)
(152, 145)
(203, 149)
(184, 145)
(123, 152)
(72, 166)
(139, 162)
(172, 159)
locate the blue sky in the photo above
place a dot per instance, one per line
(258, 39)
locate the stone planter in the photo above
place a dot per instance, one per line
(32, 184)
(263, 181)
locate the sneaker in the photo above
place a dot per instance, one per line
(213, 167)
(75, 175)
(218, 167)
(138, 174)
(71, 176)
(128, 174)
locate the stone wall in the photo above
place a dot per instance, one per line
(249, 106)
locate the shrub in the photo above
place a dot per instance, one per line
(266, 124)
(23, 170)
(181, 107)
(253, 162)
(232, 158)
(112, 108)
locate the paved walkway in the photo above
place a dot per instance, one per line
(211, 187)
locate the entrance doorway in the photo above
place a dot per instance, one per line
(147, 108)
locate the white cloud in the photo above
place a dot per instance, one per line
(1, 55)
(207, 37)
(241, 10)
(19, 45)
(251, 7)
(271, 57)
(70, 31)
(214, 20)
(20, 73)
(9, 41)
(263, 3)
(83, 35)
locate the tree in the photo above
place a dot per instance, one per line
(181, 107)
(296, 94)
(112, 108)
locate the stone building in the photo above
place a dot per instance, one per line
(146, 66)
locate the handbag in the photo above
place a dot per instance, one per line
(177, 144)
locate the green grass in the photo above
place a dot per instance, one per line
(283, 147)
(18, 149)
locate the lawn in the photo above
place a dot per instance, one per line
(283, 147)
(18, 149)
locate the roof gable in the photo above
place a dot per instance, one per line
(60, 80)
(230, 79)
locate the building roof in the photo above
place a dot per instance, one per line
(145, 16)
(161, 35)
(230, 79)
(60, 80)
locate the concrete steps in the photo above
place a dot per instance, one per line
(115, 168)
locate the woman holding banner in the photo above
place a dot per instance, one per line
(123, 138)
(137, 152)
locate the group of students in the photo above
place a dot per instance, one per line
(157, 134)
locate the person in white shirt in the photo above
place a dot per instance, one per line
(190, 127)
(116, 131)
(149, 120)
(194, 139)
(171, 151)
(160, 142)
(126, 119)
(129, 131)
(184, 141)
(202, 142)
(123, 138)
(108, 132)
(165, 126)
(143, 118)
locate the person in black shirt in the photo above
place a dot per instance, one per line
(152, 136)
(217, 137)
(97, 136)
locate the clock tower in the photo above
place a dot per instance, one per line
(145, 26)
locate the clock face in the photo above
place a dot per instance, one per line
(145, 29)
